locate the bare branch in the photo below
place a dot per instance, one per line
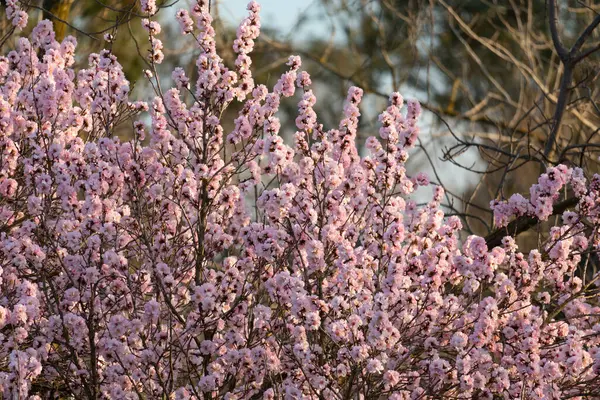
(553, 21)
(584, 35)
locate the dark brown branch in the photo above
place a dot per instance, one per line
(569, 59)
(584, 35)
(553, 21)
(587, 53)
(524, 223)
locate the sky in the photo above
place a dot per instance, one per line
(275, 13)
(280, 15)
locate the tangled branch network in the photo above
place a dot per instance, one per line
(198, 262)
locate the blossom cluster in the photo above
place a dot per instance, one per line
(197, 262)
(16, 14)
(544, 194)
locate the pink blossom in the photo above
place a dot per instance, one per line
(148, 7)
(211, 257)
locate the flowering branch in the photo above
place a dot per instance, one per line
(214, 260)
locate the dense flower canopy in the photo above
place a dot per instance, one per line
(192, 262)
